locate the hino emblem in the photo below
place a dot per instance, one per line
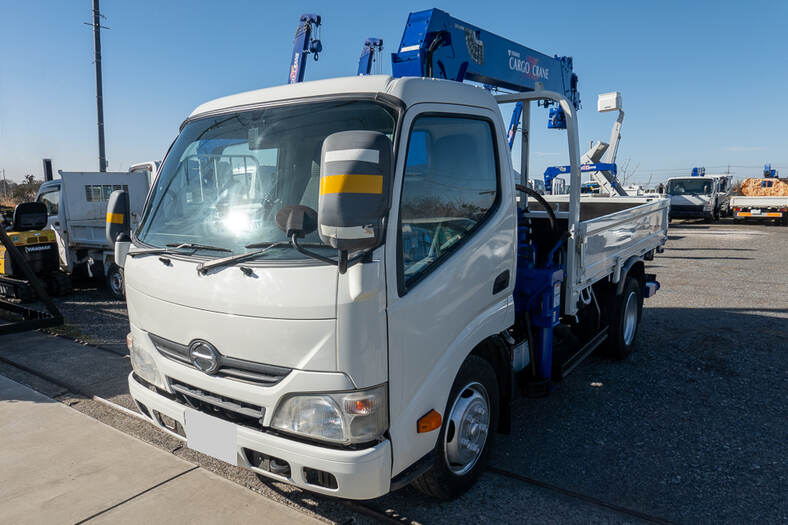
(204, 357)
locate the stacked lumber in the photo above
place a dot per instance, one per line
(764, 187)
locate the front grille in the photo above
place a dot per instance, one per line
(686, 207)
(216, 405)
(229, 367)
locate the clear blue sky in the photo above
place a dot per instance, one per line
(704, 83)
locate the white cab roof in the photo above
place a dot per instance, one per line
(410, 90)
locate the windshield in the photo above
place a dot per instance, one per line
(689, 187)
(226, 176)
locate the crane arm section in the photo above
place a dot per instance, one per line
(303, 45)
(367, 58)
(435, 44)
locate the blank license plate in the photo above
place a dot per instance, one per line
(211, 436)
(755, 211)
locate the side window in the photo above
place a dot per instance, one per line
(449, 188)
(51, 199)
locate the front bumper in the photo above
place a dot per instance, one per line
(689, 212)
(360, 474)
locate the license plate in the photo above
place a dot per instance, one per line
(211, 436)
(755, 211)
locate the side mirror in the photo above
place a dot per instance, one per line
(355, 184)
(118, 225)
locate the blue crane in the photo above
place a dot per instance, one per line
(304, 44)
(437, 45)
(367, 58)
(769, 172)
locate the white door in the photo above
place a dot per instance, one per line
(451, 234)
(53, 199)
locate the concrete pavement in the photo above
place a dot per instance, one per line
(60, 466)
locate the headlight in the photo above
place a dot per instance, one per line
(143, 363)
(347, 417)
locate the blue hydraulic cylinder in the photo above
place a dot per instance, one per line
(365, 61)
(304, 45)
(435, 44)
(698, 172)
(514, 123)
(768, 172)
(537, 294)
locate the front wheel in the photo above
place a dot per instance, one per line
(625, 321)
(114, 280)
(466, 436)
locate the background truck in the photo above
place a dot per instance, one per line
(762, 199)
(77, 212)
(697, 196)
(333, 284)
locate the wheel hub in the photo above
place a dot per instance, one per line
(467, 430)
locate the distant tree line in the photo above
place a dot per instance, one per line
(12, 193)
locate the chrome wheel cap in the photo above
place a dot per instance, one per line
(467, 428)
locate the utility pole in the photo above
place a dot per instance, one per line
(99, 90)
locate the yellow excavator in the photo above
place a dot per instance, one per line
(25, 228)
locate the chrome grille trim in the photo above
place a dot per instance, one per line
(229, 367)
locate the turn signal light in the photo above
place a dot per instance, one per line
(428, 422)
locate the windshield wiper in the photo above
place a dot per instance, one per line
(196, 246)
(174, 246)
(267, 244)
(203, 268)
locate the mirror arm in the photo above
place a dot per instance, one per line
(343, 263)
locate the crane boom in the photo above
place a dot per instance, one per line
(437, 45)
(371, 46)
(303, 45)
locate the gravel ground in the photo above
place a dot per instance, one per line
(691, 428)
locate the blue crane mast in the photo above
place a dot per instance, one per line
(769, 172)
(304, 44)
(367, 58)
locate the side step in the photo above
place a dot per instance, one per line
(575, 359)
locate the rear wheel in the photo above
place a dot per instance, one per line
(625, 320)
(114, 280)
(465, 439)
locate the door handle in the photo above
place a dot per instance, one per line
(501, 282)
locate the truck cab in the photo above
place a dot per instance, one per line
(694, 198)
(322, 287)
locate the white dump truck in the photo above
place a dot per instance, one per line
(77, 209)
(333, 285)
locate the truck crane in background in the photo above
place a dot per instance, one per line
(600, 159)
(371, 47)
(304, 44)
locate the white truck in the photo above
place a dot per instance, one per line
(77, 210)
(760, 208)
(333, 286)
(697, 197)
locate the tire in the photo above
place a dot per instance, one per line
(114, 282)
(472, 401)
(625, 321)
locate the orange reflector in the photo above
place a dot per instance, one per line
(428, 422)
